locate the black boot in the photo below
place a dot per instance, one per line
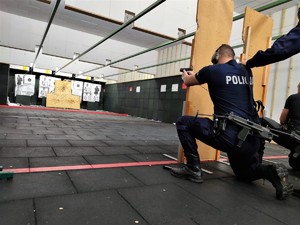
(277, 174)
(294, 158)
(191, 171)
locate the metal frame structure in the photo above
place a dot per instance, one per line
(126, 24)
(260, 9)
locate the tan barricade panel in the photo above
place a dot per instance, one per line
(214, 18)
(62, 96)
(257, 34)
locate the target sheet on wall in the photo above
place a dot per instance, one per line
(25, 84)
(91, 92)
(46, 85)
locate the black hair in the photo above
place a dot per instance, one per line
(225, 49)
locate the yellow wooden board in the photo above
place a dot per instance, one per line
(257, 34)
(214, 19)
(62, 97)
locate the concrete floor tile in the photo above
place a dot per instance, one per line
(34, 185)
(76, 151)
(17, 212)
(95, 208)
(102, 179)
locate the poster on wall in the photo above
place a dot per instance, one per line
(44, 86)
(174, 88)
(52, 84)
(163, 88)
(25, 84)
(96, 92)
(86, 92)
(91, 92)
(77, 87)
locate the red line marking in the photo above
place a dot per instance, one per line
(65, 110)
(85, 167)
(276, 157)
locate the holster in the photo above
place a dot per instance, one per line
(219, 124)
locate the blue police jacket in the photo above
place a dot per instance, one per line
(229, 88)
(283, 48)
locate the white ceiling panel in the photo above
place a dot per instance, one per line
(80, 24)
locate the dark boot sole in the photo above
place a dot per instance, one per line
(187, 177)
(287, 188)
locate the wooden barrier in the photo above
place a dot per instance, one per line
(214, 18)
(257, 35)
(62, 96)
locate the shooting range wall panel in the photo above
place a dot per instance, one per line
(92, 106)
(23, 100)
(150, 102)
(214, 18)
(4, 75)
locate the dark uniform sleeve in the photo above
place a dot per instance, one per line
(288, 102)
(203, 75)
(283, 48)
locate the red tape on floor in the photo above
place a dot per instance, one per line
(65, 110)
(108, 165)
(86, 167)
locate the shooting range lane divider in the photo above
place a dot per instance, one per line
(88, 167)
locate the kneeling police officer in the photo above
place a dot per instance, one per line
(230, 88)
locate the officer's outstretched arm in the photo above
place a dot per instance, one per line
(189, 78)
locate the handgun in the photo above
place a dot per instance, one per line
(186, 69)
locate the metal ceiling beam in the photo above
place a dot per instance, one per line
(260, 9)
(142, 52)
(147, 67)
(173, 61)
(263, 8)
(47, 29)
(145, 11)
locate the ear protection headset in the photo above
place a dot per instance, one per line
(216, 56)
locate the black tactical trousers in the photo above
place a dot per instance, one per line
(244, 160)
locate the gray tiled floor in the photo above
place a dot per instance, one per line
(123, 195)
